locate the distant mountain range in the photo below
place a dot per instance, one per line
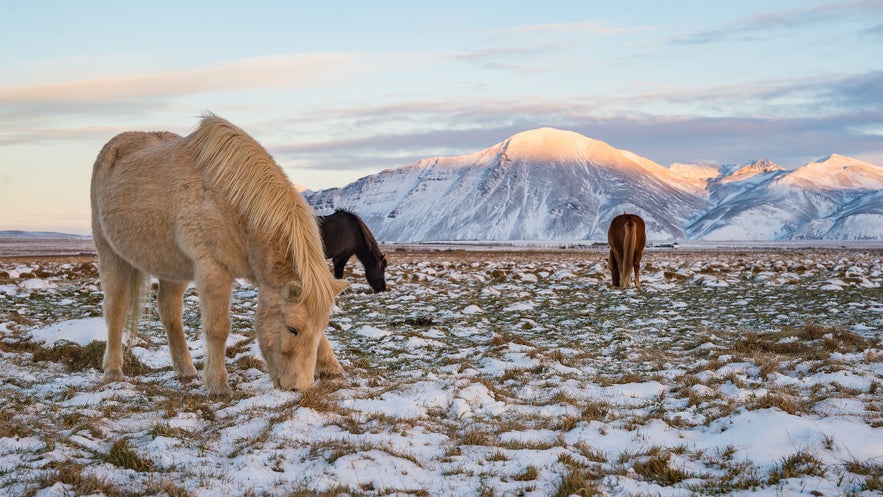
(549, 184)
(40, 234)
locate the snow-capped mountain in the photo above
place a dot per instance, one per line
(549, 184)
(835, 198)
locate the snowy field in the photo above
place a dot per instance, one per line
(25, 245)
(485, 373)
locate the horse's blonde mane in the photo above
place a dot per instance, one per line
(265, 198)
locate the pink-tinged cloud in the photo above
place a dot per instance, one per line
(261, 72)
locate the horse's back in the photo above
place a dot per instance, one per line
(120, 162)
(622, 224)
(338, 232)
(131, 142)
(150, 206)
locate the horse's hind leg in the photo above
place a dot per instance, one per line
(116, 275)
(170, 302)
(637, 265)
(613, 264)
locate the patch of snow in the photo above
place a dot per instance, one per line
(370, 332)
(79, 331)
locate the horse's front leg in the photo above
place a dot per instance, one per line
(170, 302)
(339, 265)
(327, 364)
(215, 287)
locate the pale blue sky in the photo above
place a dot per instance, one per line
(338, 90)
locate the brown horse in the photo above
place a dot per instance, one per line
(211, 207)
(627, 238)
(344, 234)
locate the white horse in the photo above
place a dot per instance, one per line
(211, 207)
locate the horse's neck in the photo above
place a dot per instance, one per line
(364, 254)
(364, 251)
(270, 263)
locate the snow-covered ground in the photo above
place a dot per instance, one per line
(736, 372)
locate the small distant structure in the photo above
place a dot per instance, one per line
(667, 245)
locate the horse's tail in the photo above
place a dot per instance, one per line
(134, 305)
(630, 240)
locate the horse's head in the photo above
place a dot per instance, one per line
(375, 274)
(289, 334)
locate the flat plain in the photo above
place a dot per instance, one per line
(512, 371)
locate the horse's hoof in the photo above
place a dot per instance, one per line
(331, 383)
(220, 392)
(331, 372)
(113, 377)
(188, 379)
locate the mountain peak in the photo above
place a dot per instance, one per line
(552, 144)
(837, 171)
(759, 165)
(837, 160)
(546, 133)
(700, 170)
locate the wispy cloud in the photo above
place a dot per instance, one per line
(82, 133)
(787, 132)
(42, 112)
(773, 98)
(863, 91)
(531, 49)
(765, 25)
(590, 27)
(785, 120)
(664, 139)
(253, 73)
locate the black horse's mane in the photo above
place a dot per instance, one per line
(370, 242)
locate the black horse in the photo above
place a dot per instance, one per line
(345, 234)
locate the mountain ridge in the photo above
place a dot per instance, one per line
(550, 184)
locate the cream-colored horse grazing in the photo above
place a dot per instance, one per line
(211, 207)
(626, 238)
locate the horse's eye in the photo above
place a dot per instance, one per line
(294, 331)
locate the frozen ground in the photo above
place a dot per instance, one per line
(735, 372)
(25, 244)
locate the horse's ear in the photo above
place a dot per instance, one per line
(292, 291)
(340, 285)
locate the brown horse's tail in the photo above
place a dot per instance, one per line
(629, 242)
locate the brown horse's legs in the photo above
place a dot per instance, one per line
(339, 265)
(639, 253)
(326, 362)
(614, 268)
(116, 275)
(171, 307)
(215, 287)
